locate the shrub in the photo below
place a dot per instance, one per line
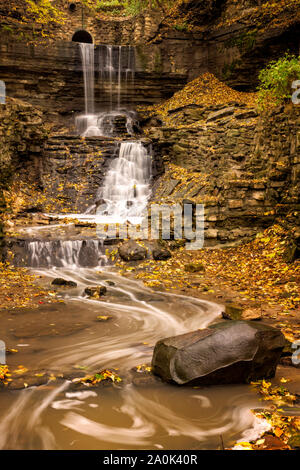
(276, 80)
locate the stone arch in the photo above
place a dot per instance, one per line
(72, 7)
(82, 36)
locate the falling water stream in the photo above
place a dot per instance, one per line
(129, 414)
(115, 68)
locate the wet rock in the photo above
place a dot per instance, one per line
(194, 267)
(144, 379)
(59, 281)
(227, 352)
(160, 253)
(132, 251)
(96, 291)
(88, 254)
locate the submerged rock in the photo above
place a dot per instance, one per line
(227, 352)
(59, 281)
(132, 251)
(96, 291)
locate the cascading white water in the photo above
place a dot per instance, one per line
(65, 253)
(126, 188)
(116, 67)
(88, 67)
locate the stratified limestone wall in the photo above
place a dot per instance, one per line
(248, 167)
(22, 136)
(50, 77)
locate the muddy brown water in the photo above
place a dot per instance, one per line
(66, 339)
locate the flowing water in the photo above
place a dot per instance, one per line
(87, 57)
(115, 68)
(128, 415)
(62, 339)
(66, 338)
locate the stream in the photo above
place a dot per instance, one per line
(62, 338)
(129, 414)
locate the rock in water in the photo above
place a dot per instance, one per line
(96, 291)
(59, 281)
(227, 352)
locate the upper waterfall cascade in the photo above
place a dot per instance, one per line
(113, 67)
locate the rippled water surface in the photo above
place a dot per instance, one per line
(128, 415)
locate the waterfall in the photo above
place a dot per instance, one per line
(126, 189)
(64, 253)
(88, 67)
(115, 66)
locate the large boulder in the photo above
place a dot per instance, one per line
(132, 251)
(227, 352)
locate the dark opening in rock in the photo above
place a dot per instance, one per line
(82, 36)
(72, 7)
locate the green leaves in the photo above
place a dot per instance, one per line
(276, 81)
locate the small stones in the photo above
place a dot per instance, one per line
(59, 281)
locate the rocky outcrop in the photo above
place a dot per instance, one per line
(72, 170)
(243, 167)
(225, 42)
(22, 135)
(233, 352)
(52, 79)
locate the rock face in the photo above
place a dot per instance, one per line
(235, 352)
(72, 169)
(132, 251)
(248, 169)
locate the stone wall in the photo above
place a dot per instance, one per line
(51, 78)
(22, 136)
(244, 168)
(127, 30)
